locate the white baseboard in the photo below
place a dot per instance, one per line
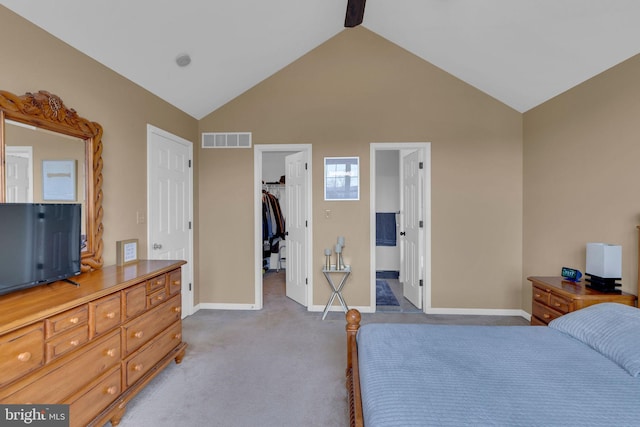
(480, 312)
(457, 311)
(224, 306)
(368, 309)
(361, 309)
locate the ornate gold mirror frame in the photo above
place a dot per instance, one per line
(46, 111)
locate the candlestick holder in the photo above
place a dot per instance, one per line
(327, 259)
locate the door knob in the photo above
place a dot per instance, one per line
(157, 246)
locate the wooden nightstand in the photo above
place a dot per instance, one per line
(554, 296)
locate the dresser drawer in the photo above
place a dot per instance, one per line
(145, 327)
(95, 399)
(545, 313)
(135, 300)
(64, 343)
(67, 320)
(146, 358)
(541, 295)
(563, 305)
(156, 283)
(104, 314)
(175, 281)
(21, 352)
(70, 376)
(157, 298)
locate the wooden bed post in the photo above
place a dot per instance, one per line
(356, 418)
(638, 287)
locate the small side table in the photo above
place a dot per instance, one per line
(336, 291)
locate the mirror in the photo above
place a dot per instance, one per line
(49, 154)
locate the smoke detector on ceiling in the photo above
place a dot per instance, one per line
(183, 60)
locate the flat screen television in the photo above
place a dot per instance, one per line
(40, 243)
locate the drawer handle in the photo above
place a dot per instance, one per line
(176, 282)
(177, 336)
(74, 320)
(111, 352)
(557, 304)
(138, 334)
(110, 315)
(137, 367)
(24, 357)
(546, 316)
(112, 390)
(538, 295)
(176, 309)
(159, 282)
(74, 342)
(160, 297)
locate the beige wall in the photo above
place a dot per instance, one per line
(570, 162)
(355, 89)
(33, 60)
(581, 175)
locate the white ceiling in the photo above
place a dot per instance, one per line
(522, 52)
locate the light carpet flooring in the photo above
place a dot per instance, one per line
(280, 366)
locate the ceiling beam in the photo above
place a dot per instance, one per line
(355, 13)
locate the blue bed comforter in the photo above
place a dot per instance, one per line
(445, 375)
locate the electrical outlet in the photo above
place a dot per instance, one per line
(140, 219)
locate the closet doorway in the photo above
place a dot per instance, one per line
(401, 226)
(283, 172)
(170, 205)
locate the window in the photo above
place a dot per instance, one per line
(341, 178)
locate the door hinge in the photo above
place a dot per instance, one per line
(306, 223)
(421, 283)
(189, 286)
(420, 165)
(420, 223)
(189, 162)
(189, 225)
(306, 280)
(305, 165)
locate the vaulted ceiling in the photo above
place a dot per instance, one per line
(521, 52)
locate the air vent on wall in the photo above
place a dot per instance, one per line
(226, 140)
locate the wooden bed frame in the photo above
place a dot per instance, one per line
(354, 396)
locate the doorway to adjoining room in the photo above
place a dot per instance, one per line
(283, 197)
(399, 216)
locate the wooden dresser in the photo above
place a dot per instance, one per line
(554, 296)
(95, 346)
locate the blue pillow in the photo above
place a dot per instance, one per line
(610, 328)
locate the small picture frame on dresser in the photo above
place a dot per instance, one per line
(126, 251)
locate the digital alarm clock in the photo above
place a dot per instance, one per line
(571, 274)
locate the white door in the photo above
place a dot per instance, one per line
(18, 174)
(411, 232)
(169, 204)
(296, 227)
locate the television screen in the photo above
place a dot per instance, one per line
(40, 244)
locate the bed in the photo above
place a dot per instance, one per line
(581, 370)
